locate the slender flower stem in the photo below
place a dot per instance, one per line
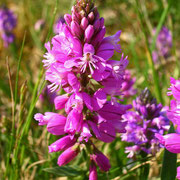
(169, 162)
(13, 119)
(149, 57)
(14, 97)
(159, 26)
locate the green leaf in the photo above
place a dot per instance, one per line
(169, 163)
(67, 171)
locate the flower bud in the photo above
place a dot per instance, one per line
(62, 144)
(178, 173)
(68, 18)
(99, 37)
(91, 17)
(75, 15)
(101, 22)
(84, 23)
(68, 155)
(76, 29)
(89, 33)
(101, 160)
(96, 25)
(92, 172)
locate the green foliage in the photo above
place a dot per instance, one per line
(65, 171)
(169, 163)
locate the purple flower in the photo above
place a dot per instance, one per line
(7, 24)
(60, 101)
(93, 172)
(142, 124)
(74, 122)
(62, 144)
(68, 155)
(163, 44)
(78, 60)
(178, 173)
(55, 122)
(101, 160)
(132, 150)
(170, 141)
(174, 89)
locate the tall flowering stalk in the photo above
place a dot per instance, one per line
(7, 24)
(78, 59)
(142, 124)
(172, 141)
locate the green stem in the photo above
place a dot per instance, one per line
(159, 26)
(149, 57)
(34, 96)
(168, 171)
(15, 103)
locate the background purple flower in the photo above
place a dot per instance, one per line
(163, 44)
(142, 124)
(7, 24)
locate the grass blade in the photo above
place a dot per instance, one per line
(149, 56)
(168, 171)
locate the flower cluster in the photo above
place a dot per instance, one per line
(78, 61)
(172, 141)
(7, 24)
(163, 44)
(142, 124)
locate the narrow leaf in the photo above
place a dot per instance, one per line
(64, 171)
(169, 163)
